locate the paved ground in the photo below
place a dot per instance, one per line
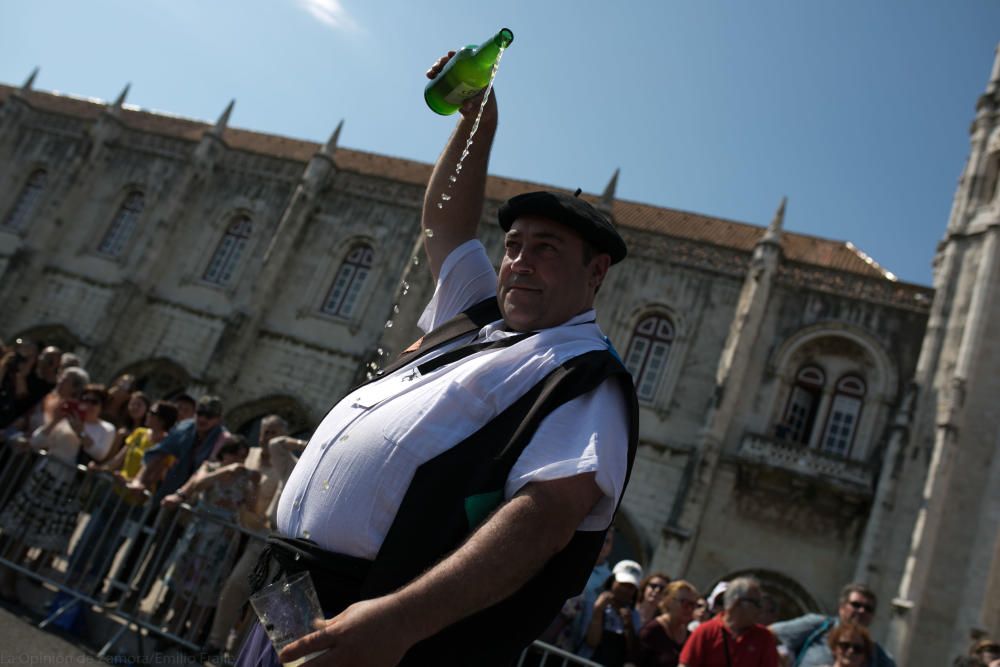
(21, 643)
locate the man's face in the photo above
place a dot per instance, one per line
(205, 422)
(48, 362)
(858, 608)
(624, 593)
(27, 351)
(268, 430)
(543, 280)
(745, 612)
(92, 406)
(989, 654)
(185, 410)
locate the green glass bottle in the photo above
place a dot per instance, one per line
(466, 74)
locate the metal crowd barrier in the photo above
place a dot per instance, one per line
(157, 571)
(540, 654)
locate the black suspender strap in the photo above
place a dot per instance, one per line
(466, 350)
(725, 647)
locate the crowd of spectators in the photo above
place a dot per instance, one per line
(624, 618)
(157, 454)
(163, 453)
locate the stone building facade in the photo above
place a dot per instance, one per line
(774, 369)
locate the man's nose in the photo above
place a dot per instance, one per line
(522, 263)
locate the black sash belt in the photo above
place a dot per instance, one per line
(338, 578)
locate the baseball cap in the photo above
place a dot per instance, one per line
(627, 572)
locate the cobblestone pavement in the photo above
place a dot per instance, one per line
(21, 643)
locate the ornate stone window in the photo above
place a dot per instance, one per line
(803, 405)
(27, 201)
(227, 255)
(647, 354)
(122, 226)
(834, 394)
(845, 412)
(342, 299)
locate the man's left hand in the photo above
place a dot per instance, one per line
(366, 634)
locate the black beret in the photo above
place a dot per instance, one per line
(573, 212)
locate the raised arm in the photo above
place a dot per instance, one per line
(455, 221)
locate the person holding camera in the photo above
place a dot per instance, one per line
(43, 513)
(24, 380)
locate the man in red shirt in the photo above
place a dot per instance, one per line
(733, 638)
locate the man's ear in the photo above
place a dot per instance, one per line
(599, 266)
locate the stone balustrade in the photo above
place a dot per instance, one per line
(761, 450)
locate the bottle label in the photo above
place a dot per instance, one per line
(460, 93)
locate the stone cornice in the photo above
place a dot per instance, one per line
(395, 193)
(687, 253)
(87, 280)
(184, 308)
(280, 337)
(883, 292)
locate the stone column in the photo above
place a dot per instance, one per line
(743, 335)
(950, 417)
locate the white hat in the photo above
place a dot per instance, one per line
(627, 572)
(716, 594)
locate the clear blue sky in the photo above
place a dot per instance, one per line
(857, 110)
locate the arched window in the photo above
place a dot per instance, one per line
(343, 296)
(227, 254)
(845, 410)
(647, 354)
(800, 413)
(122, 226)
(27, 201)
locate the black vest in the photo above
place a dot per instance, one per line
(452, 493)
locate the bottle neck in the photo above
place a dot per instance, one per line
(491, 47)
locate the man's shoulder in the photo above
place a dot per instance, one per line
(762, 635)
(882, 658)
(808, 622)
(176, 437)
(186, 426)
(709, 628)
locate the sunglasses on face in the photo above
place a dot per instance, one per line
(862, 606)
(93, 400)
(848, 647)
(204, 413)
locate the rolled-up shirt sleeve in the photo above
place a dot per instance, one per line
(466, 278)
(587, 434)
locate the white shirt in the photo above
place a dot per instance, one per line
(63, 444)
(353, 475)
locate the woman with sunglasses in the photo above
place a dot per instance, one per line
(661, 640)
(651, 592)
(850, 644)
